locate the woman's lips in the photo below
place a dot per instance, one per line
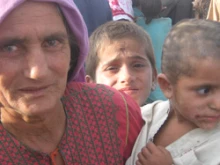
(34, 91)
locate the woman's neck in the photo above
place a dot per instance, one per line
(39, 133)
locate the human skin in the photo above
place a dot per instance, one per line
(34, 62)
(194, 103)
(195, 99)
(124, 65)
(154, 155)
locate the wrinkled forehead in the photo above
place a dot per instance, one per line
(30, 11)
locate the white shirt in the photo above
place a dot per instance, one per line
(197, 147)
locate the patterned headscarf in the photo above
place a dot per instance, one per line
(75, 22)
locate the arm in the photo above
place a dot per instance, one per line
(154, 155)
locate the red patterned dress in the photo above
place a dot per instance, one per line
(99, 131)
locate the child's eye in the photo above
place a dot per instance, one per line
(203, 90)
(112, 68)
(138, 65)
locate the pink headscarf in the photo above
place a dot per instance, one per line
(75, 22)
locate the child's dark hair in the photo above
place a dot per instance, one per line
(150, 9)
(189, 39)
(116, 30)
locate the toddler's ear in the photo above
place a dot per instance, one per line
(165, 85)
(89, 79)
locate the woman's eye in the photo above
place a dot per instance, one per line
(52, 42)
(9, 48)
(203, 90)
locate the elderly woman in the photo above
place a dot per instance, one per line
(47, 117)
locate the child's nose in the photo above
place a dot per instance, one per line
(215, 105)
(126, 75)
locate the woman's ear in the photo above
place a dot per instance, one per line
(89, 79)
(165, 85)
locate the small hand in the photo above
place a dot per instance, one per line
(154, 155)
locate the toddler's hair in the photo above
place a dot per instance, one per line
(187, 40)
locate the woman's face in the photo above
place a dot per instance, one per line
(124, 65)
(34, 59)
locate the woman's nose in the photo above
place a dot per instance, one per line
(36, 65)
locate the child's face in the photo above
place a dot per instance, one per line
(125, 66)
(197, 98)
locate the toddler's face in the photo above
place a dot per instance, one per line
(125, 66)
(197, 98)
